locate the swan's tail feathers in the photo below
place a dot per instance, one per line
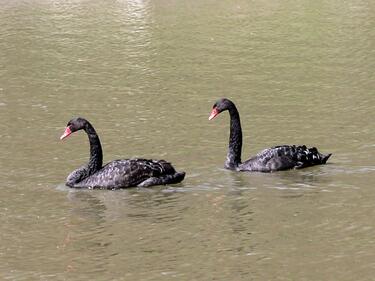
(306, 157)
(178, 177)
(314, 156)
(163, 180)
(171, 179)
(325, 157)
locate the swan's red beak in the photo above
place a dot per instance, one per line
(66, 133)
(214, 112)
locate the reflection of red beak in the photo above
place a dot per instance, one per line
(214, 112)
(66, 133)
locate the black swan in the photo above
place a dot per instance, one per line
(118, 173)
(276, 158)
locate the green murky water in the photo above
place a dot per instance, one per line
(146, 73)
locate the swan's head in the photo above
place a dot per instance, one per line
(74, 125)
(220, 106)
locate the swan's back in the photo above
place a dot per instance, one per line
(284, 157)
(130, 173)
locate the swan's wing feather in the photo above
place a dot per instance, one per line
(126, 173)
(284, 157)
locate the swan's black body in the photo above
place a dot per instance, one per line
(276, 158)
(118, 173)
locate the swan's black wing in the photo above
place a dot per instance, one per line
(130, 173)
(284, 157)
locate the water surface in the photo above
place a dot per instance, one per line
(146, 73)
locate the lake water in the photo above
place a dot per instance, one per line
(146, 74)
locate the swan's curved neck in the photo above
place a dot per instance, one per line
(235, 139)
(96, 153)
